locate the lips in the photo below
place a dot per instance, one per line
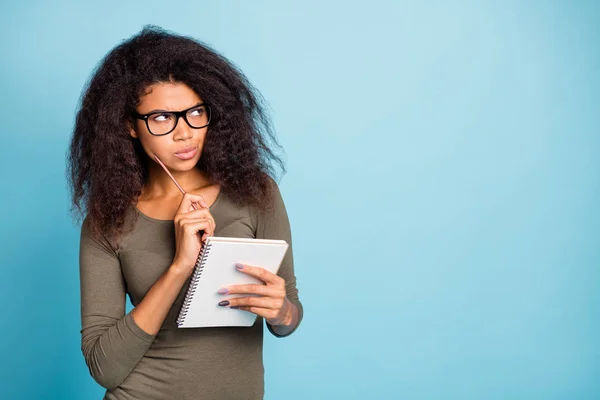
(186, 150)
(187, 155)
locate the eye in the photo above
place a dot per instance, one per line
(162, 117)
(197, 112)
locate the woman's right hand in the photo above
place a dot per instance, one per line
(188, 223)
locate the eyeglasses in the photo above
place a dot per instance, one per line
(164, 122)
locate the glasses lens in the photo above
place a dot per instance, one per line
(159, 124)
(198, 117)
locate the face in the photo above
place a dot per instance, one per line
(170, 97)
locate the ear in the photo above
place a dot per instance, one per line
(132, 131)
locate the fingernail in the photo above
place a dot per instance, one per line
(224, 303)
(222, 291)
(239, 266)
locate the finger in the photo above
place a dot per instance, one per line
(205, 236)
(203, 213)
(266, 313)
(195, 226)
(260, 289)
(199, 205)
(187, 200)
(260, 273)
(256, 301)
(185, 220)
(207, 227)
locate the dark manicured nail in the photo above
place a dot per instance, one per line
(222, 291)
(239, 266)
(224, 303)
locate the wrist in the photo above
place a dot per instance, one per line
(179, 272)
(288, 317)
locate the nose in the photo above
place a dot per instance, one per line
(182, 131)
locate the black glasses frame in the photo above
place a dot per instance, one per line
(177, 114)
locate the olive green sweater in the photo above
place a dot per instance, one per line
(176, 363)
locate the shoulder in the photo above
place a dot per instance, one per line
(91, 236)
(271, 219)
(86, 230)
(274, 191)
(273, 198)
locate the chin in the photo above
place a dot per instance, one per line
(182, 165)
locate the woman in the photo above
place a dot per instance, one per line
(171, 96)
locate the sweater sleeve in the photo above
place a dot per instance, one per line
(111, 342)
(276, 225)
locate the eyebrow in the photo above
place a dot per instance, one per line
(159, 110)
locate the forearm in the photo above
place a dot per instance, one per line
(112, 348)
(151, 312)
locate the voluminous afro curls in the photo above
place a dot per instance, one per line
(107, 168)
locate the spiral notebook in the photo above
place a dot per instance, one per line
(215, 269)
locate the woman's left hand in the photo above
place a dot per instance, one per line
(271, 302)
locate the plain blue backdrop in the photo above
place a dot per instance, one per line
(443, 189)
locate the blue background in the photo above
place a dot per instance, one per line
(443, 190)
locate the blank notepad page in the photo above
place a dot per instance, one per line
(217, 270)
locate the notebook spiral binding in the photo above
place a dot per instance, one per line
(198, 268)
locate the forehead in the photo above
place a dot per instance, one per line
(168, 96)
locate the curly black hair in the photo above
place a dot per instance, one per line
(107, 168)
